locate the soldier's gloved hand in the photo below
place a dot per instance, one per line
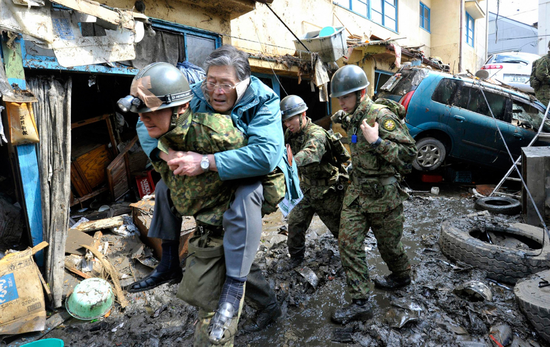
(337, 116)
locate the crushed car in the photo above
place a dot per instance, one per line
(462, 118)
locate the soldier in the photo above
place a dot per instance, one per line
(323, 178)
(540, 78)
(382, 151)
(230, 89)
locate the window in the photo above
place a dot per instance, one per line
(383, 12)
(424, 17)
(470, 30)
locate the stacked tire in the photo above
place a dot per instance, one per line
(503, 264)
(533, 297)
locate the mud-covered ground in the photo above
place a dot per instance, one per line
(432, 311)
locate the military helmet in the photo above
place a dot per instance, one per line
(292, 105)
(348, 79)
(157, 86)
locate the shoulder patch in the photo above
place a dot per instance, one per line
(389, 125)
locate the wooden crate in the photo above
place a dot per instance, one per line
(88, 170)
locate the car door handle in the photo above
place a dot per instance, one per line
(459, 118)
(519, 136)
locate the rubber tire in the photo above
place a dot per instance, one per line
(499, 204)
(429, 147)
(535, 302)
(503, 264)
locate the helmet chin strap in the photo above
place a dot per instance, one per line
(174, 118)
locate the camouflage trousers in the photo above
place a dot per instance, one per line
(328, 209)
(387, 228)
(543, 94)
(200, 338)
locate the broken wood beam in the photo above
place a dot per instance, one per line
(113, 273)
(106, 223)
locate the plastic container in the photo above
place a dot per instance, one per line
(91, 299)
(330, 48)
(45, 343)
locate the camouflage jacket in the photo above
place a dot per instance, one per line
(312, 152)
(374, 166)
(542, 71)
(205, 196)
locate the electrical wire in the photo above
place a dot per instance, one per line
(271, 65)
(531, 199)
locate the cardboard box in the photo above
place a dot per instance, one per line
(22, 304)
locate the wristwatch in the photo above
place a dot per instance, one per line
(205, 163)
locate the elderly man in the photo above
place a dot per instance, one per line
(228, 89)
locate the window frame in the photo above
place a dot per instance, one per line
(369, 15)
(423, 19)
(470, 27)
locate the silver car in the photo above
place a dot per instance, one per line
(512, 68)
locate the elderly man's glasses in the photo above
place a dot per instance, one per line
(226, 87)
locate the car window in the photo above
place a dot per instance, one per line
(445, 90)
(527, 116)
(404, 81)
(510, 59)
(456, 93)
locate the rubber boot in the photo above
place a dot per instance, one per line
(359, 309)
(391, 282)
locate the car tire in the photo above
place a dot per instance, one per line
(498, 204)
(534, 301)
(431, 154)
(504, 264)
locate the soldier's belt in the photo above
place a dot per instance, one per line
(321, 182)
(383, 180)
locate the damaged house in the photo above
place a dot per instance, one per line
(67, 62)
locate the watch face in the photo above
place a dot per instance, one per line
(205, 163)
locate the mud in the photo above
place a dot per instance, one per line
(435, 310)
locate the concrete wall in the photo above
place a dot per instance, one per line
(511, 36)
(544, 26)
(260, 31)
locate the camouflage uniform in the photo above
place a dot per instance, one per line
(205, 196)
(542, 75)
(320, 181)
(374, 198)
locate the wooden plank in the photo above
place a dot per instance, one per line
(95, 9)
(118, 172)
(79, 181)
(114, 146)
(89, 121)
(26, 154)
(113, 273)
(106, 223)
(28, 165)
(77, 201)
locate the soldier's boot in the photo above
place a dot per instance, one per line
(392, 281)
(359, 309)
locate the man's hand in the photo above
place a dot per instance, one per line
(186, 164)
(370, 133)
(171, 155)
(337, 116)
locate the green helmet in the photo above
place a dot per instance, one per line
(292, 105)
(348, 79)
(156, 86)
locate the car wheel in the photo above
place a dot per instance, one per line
(507, 252)
(431, 154)
(498, 204)
(534, 301)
